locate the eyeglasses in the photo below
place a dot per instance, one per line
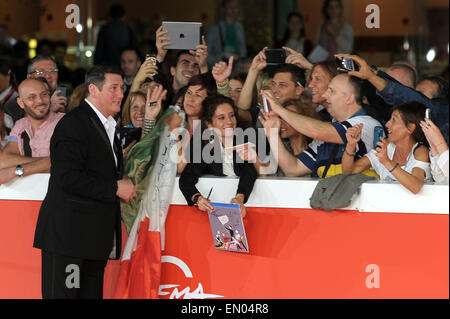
(42, 72)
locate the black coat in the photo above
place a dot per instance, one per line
(80, 214)
(191, 173)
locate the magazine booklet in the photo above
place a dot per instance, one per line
(227, 228)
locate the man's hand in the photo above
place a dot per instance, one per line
(222, 71)
(57, 102)
(161, 42)
(353, 135)
(7, 175)
(364, 72)
(274, 104)
(297, 59)
(125, 190)
(259, 61)
(271, 122)
(201, 55)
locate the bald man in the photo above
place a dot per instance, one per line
(28, 146)
(343, 102)
(403, 73)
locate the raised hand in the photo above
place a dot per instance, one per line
(271, 121)
(222, 71)
(154, 102)
(144, 72)
(382, 151)
(433, 136)
(353, 134)
(274, 104)
(58, 102)
(259, 61)
(162, 40)
(297, 59)
(201, 55)
(364, 69)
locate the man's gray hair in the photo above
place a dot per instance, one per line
(38, 58)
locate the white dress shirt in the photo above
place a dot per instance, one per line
(109, 125)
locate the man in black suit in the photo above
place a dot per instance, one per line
(79, 225)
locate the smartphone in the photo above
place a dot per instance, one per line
(265, 104)
(377, 135)
(152, 58)
(428, 113)
(63, 90)
(347, 64)
(275, 56)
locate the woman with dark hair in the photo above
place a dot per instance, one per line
(199, 88)
(294, 35)
(219, 116)
(402, 156)
(335, 35)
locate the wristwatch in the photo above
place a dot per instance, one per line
(19, 170)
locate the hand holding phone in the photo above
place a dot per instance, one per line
(347, 64)
(63, 90)
(266, 104)
(377, 135)
(275, 56)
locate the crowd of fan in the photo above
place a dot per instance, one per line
(322, 121)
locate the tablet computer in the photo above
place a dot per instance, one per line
(183, 35)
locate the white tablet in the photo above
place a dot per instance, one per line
(183, 35)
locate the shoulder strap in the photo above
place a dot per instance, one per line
(330, 160)
(26, 144)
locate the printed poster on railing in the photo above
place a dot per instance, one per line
(227, 228)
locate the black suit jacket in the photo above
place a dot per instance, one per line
(191, 173)
(80, 215)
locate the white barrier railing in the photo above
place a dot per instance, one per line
(374, 196)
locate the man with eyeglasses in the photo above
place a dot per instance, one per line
(28, 146)
(40, 67)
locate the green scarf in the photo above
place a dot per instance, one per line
(139, 166)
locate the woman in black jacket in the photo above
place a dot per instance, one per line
(219, 119)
